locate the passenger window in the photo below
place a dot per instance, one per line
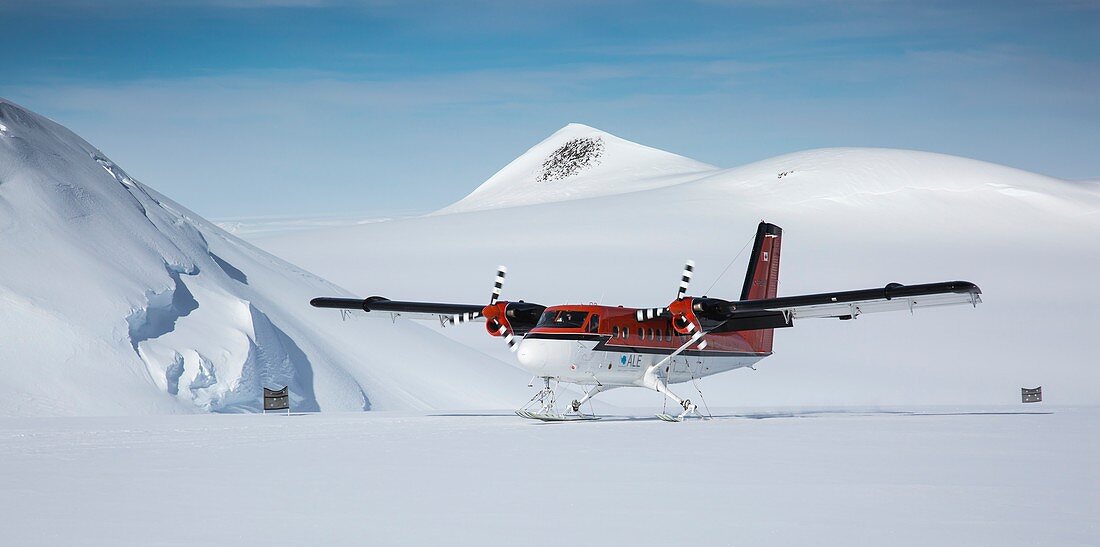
(615, 331)
(594, 324)
(649, 333)
(658, 335)
(641, 335)
(626, 333)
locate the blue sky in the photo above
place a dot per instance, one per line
(304, 107)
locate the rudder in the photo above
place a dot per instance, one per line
(762, 278)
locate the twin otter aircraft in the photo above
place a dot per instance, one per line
(605, 347)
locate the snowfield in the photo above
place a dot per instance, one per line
(902, 476)
(119, 301)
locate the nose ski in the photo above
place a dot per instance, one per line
(545, 400)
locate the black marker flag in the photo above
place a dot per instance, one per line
(277, 399)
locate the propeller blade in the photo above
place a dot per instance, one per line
(513, 345)
(685, 280)
(501, 271)
(464, 317)
(695, 336)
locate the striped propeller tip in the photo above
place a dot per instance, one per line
(685, 279)
(498, 284)
(464, 317)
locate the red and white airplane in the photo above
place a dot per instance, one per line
(604, 347)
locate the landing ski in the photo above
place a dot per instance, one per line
(555, 417)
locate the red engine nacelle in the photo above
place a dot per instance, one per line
(684, 320)
(496, 318)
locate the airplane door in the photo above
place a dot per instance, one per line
(583, 357)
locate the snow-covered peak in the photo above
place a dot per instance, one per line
(576, 162)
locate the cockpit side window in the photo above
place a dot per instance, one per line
(562, 319)
(594, 324)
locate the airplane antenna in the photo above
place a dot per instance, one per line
(735, 257)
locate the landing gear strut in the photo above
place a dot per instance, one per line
(652, 381)
(544, 401)
(576, 405)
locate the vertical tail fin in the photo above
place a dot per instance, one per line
(762, 278)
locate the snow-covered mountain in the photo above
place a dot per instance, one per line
(576, 162)
(616, 226)
(116, 300)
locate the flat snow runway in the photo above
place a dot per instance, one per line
(992, 476)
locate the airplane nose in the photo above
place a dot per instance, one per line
(532, 354)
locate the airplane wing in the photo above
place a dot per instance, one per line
(849, 304)
(782, 311)
(411, 310)
(519, 317)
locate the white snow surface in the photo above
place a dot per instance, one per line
(896, 476)
(117, 300)
(853, 218)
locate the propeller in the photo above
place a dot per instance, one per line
(498, 284)
(495, 314)
(685, 282)
(683, 316)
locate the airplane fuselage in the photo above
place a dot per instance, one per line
(604, 345)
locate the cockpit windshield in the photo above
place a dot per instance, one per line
(562, 319)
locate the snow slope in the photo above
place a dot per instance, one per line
(853, 218)
(117, 300)
(900, 476)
